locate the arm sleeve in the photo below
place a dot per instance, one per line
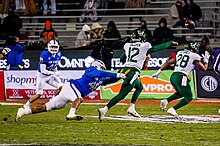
(123, 57)
(99, 73)
(159, 47)
(44, 70)
(110, 80)
(43, 58)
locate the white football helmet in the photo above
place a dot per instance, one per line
(53, 46)
(98, 64)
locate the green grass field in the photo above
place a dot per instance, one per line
(52, 127)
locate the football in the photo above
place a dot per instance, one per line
(190, 24)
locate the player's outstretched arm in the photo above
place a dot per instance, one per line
(164, 66)
(161, 47)
(200, 65)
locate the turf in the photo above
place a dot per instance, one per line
(52, 128)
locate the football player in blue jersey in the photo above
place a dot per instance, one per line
(47, 71)
(74, 91)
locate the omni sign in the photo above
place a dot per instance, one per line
(209, 83)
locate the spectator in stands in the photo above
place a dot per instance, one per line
(97, 32)
(100, 49)
(112, 31)
(53, 7)
(11, 24)
(162, 33)
(48, 33)
(143, 25)
(192, 11)
(88, 14)
(176, 14)
(135, 4)
(205, 46)
(15, 51)
(83, 37)
(102, 52)
(30, 7)
(4, 8)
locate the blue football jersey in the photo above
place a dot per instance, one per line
(51, 61)
(92, 79)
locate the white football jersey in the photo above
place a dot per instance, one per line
(136, 54)
(184, 61)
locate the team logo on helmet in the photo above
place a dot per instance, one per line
(138, 36)
(192, 46)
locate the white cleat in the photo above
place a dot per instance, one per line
(219, 111)
(163, 104)
(132, 112)
(20, 113)
(102, 113)
(172, 112)
(73, 117)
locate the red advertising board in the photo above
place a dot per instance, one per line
(22, 85)
(2, 89)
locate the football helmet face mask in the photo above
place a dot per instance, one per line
(53, 46)
(98, 64)
(138, 36)
(192, 46)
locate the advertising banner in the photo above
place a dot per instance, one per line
(80, 59)
(2, 90)
(22, 84)
(208, 84)
(152, 88)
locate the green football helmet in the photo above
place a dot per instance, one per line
(192, 46)
(138, 36)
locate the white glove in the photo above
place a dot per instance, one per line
(121, 75)
(206, 57)
(5, 51)
(155, 75)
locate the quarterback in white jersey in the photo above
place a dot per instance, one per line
(185, 61)
(47, 71)
(136, 54)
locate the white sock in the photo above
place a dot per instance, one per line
(72, 110)
(106, 108)
(27, 103)
(132, 105)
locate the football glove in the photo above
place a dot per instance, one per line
(206, 57)
(121, 75)
(155, 75)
